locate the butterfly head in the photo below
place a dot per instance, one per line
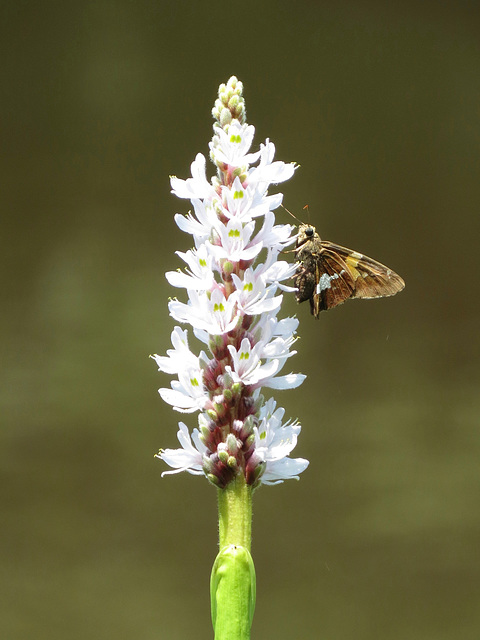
(306, 233)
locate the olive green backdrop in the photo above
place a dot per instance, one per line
(379, 104)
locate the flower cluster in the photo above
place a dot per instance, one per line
(232, 277)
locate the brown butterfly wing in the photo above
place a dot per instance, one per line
(334, 281)
(371, 278)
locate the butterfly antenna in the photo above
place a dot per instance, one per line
(308, 211)
(293, 216)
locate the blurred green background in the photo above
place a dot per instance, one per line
(100, 102)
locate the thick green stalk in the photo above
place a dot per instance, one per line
(235, 514)
(232, 584)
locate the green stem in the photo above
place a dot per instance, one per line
(235, 514)
(232, 584)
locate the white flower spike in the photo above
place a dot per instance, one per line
(231, 278)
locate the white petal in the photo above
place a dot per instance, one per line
(290, 381)
(195, 187)
(285, 469)
(183, 280)
(264, 306)
(189, 457)
(180, 401)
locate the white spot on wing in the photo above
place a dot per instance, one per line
(325, 281)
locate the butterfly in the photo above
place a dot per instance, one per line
(328, 274)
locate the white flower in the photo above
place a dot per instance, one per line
(180, 356)
(269, 172)
(195, 187)
(188, 457)
(247, 365)
(200, 276)
(244, 203)
(200, 226)
(231, 278)
(187, 393)
(253, 296)
(274, 442)
(232, 148)
(214, 314)
(274, 236)
(235, 242)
